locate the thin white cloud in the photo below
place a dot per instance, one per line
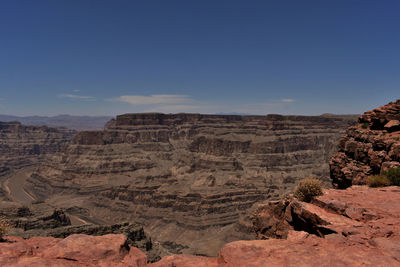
(153, 99)
(170, 103)
(76, 91)
(77, 97)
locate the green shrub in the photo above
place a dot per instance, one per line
(308, 189)
(365, 125)
(377, 181)
(3, 227)
(393, 175)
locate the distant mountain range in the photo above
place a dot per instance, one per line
(78, 123)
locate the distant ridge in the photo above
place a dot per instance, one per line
(78, 123)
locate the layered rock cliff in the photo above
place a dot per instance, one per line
(187, 177)
(22, 145)
(370, 147)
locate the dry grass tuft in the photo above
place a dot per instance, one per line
(308, 189)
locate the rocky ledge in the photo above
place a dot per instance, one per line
(353, 227)
(368, 148)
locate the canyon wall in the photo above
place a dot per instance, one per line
(188, 178)
(368, 148)
(22, 146)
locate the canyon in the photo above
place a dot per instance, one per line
(145, 168)
(188, 179)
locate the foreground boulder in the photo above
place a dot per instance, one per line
(75, 250)
(368, 148)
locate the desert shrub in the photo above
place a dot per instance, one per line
(307, 189)
(365, 125)
(393, 175)
(3, 227)
(377, 181)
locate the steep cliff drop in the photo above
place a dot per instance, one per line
(188, 178)
(370, 147)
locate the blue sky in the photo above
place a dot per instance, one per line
(87, 57)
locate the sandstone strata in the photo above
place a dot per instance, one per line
(187, 177)
(22, 146)
(368, 148)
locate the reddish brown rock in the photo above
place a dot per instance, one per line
(186, 261)
(75, 250)
(353, 227)
(312, 251)
(368, 148)
(393, 125)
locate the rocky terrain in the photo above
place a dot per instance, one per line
(353, 227)
(188, 178)
(41, 220)
(357, 226)
(368, 148)
(26, 146)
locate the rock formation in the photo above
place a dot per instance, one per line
(186, 177)
(75, 250)
(41, 219)
(22, 146)
(368, 148)
(353, 227)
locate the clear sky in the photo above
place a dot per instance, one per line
(97, 57)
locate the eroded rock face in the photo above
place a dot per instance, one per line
(187, 176)
(22, 146)
(368, 148)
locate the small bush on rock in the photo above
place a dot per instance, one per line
(377, 181)
(308, 189)
(393, 175)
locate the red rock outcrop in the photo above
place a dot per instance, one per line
(353, 227)
(75, 250)
(368, 148)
